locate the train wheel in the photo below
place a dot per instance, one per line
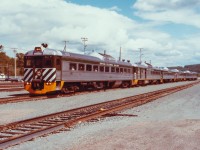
(64, 90)
(125, 84)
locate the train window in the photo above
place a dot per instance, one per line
(125, 70)
(135, 70)
(28, 62)
(121, 70)
(117, 70)
(58, 64)
(129, 70)
(106, 69)
(95, 68)
(112, 69)
(81, 67)
(88, 67)
(72, 66)
(48, 63)
(101, 68)
(38, 61)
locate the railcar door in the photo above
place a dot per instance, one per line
(135, 73)
(58, 68)
(145, 73)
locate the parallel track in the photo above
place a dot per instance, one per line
(8, 86)
(17, 132)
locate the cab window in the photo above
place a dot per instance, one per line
(38, 62)
(28, 62)
(48, 61)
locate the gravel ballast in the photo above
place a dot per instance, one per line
(171, 122)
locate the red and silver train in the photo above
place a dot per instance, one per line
(51, 70)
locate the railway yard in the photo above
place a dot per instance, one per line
(163, 116)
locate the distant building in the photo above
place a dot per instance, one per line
(192, 68)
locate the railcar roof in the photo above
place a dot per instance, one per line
(46, 51)
(81, 57)
(141, 65)
(55, 52)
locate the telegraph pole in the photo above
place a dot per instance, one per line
(120, 53)
(141, 54)
(84, 39)
(65, 47)
(15, 51)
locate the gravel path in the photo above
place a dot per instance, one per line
(171, 122)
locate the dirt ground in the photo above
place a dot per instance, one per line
(170, 123)
(167, 135)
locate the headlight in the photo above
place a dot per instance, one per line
(48, 83)
(27, 83)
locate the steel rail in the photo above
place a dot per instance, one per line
(20, 131)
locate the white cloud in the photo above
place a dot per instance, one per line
(161, 5)
(26, 24)
(115, 8)
(176, 11)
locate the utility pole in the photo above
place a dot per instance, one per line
(120, 53)
(141, 54)
(15, 51)
(65, 47)
(84, 39)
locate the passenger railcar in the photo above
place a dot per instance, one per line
(51, 70)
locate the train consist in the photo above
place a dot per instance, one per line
(51, 70)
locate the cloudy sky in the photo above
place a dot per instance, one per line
(167, 31)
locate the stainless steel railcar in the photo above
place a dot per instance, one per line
(51, 70)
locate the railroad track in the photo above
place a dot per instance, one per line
(27, 97)
(11, 89)
(22, 98)
(11, 86)
(17, 132)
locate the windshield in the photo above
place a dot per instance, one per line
(38, 61)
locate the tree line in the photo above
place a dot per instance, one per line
(7, 64)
